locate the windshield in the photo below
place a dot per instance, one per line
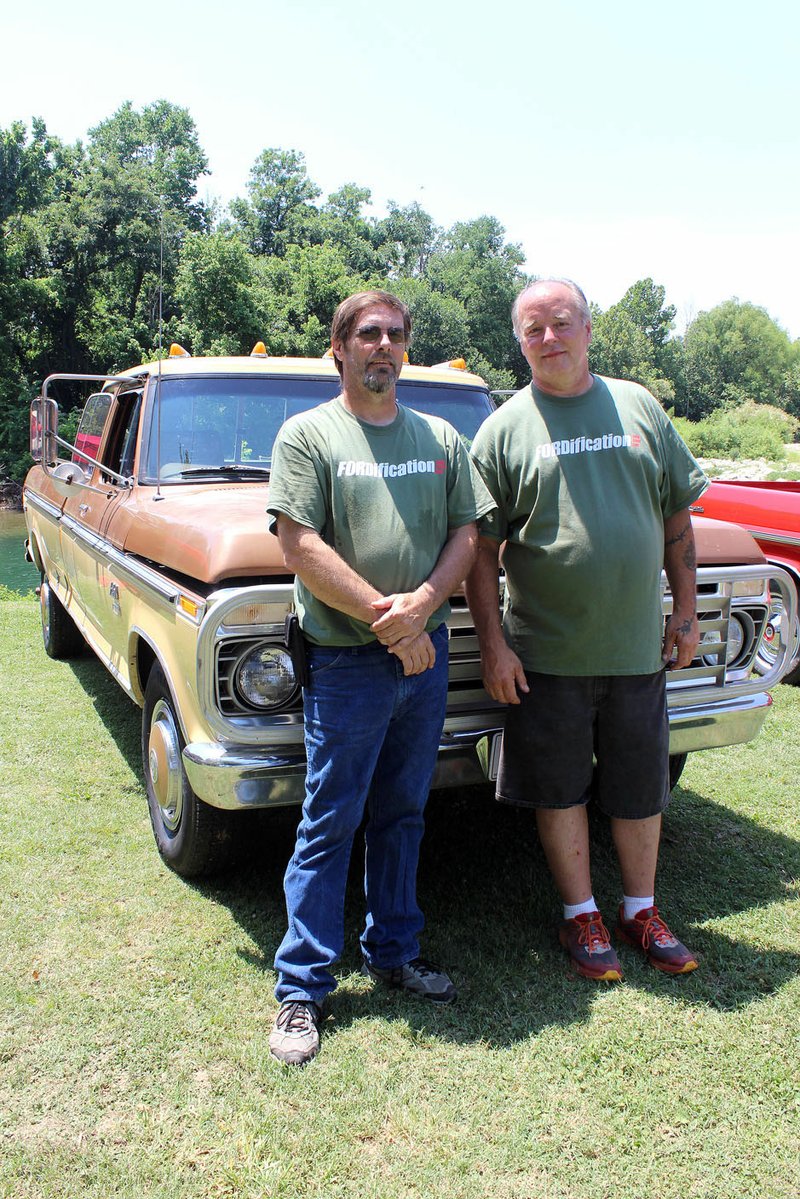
(228, 425)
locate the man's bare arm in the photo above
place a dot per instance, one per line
(405, 614)
(324, 572)
(336, 584)
(680, 563)
(503, 673)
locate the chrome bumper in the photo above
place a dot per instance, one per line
(247, 778)
(238, 778)
(711, 726)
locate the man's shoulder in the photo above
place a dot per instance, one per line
(507, 416)
(311, 429)
(312, 418)
(626, 389)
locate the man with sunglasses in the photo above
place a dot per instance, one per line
(375, 507)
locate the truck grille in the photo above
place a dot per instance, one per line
(468, 703)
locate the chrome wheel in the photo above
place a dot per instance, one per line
(772, 643)
(165, 767)
(192, 837)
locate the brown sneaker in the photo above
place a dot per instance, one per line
(294, 1039)
(648, 932)
(587, 942)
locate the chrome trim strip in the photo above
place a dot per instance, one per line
(126, 564)
(778, 538)
(40, 504)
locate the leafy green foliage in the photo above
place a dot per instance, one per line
(105, 249)
(630, 340)
(279, 203)
(86, 232)
(737, 352)
(747, 430)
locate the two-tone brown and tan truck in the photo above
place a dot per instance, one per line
(150, 535)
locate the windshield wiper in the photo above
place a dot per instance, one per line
(238, 471)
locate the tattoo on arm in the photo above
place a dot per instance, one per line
(689, 555)
(679, 536)
(685, 627)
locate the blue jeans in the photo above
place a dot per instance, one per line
(372, 738)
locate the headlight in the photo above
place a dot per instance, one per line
(735, 645)
(264, 677)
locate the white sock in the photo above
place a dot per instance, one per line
(633, 904)
(571, 910)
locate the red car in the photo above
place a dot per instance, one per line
(771, 512)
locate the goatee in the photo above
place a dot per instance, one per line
(379, 381)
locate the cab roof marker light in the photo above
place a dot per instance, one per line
(328, 353)
(259, 350)
(176, 351)
(455, 364)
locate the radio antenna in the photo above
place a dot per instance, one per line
(158, 495)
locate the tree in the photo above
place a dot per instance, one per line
(736, 352)
(280, 201)
(340, 222)
(216, 293)
(476, 266)
(407, 238)
(85, 231)
(27, 168)
(631, 341)
(440, 325)
(296, 296)
(643, 303)
(111, 236)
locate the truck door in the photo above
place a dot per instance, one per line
(89, 512)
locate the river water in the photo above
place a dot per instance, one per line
(15, 572)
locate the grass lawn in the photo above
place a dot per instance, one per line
(136, 1006)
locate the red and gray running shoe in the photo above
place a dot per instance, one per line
(649, 933)
(588, 944)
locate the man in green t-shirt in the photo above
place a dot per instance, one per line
(375, 507)
(592, 486)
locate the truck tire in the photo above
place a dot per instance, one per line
(192, 837)
(676, 765)
(769, 649)
(60, 634)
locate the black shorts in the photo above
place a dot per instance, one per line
(575, 738)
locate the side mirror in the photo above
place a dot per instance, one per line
(44, 430)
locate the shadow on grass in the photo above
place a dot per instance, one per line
(491, 912)
(120, 715)
(491, 908)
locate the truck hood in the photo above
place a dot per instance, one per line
(207, 532)
(214, 532)
(721, 544)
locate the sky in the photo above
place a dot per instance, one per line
(613, 142)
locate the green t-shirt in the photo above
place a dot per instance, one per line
(384, 496)
(583, 485)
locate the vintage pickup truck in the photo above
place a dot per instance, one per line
(771, 512)
(150, 535)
